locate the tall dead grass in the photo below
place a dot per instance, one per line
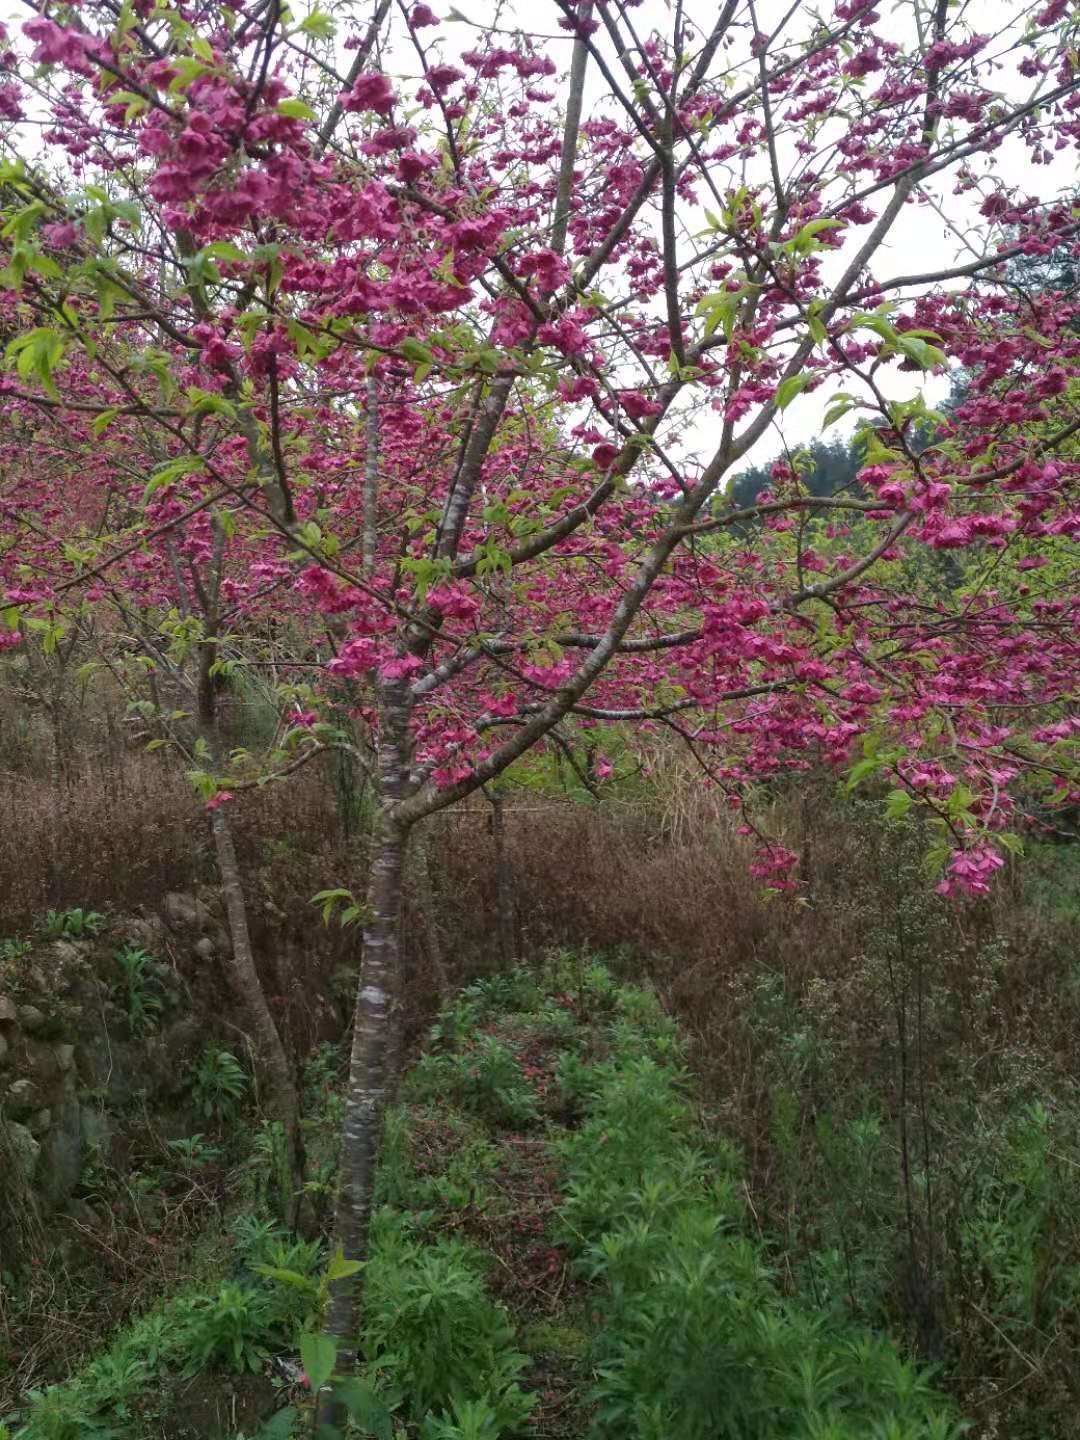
(120, 835)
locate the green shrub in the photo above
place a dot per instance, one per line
(509, 992)
(484, 1079)
(218, 1084)
(99, 1403)
(71, 924)
(451, 1178)
(635, 1148)
(143, 1007)
(433, 1337)
(231, 1330)
(63, 1413)
(456, 1024)
(195, 1152)
(470, 1420)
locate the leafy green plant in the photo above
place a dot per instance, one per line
(351, 911)
(118, 1376)
(12, 949)
(324, 1103)
(143, 1007)
(432, 1334)
(464, 1180)
(195, 1152)
(459, 1179)
(267, 1167)
(456, 1023)
(232, 1329)
(368, 1414)
(297, 1280)
(1017, 1242)
(72, 924)
(485, 1079)
(507, 992)
(469, 1420)
(63, 1412)
(254, 1236)
(218, 1083)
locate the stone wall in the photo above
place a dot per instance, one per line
(74, 1063)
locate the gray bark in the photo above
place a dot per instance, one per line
(376, 1015)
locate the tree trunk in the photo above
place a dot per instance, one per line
(369, 1080)
(284, 1102)
(370, 1075)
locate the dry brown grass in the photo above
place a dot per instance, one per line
(120, 836)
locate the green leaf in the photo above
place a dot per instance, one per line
(296, 110)
(36, 354)
(486, 360)
(365, 1408)
(170, 473)
(876, 322)
(319, 25)
(340, 1269)
(794, 385)
(102, 422)
(416, 350)
(861, 770)
(206, 402)
(188, 70)
(224, 250)
(897, 804)
(837, 410)
(24, 221)
(806, 241)
(328, 899)
(285, 1277)
(923, 354)
(814, 323)
(318, 1355)
(135, 104)
(281, 1425)
(720, 311)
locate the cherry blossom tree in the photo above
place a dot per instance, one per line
(439, 345)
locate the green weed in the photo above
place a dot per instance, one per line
(74, 924)
(218, 1084)
(229, 1330)
(143, 1007)
(484, 1079)
(433, 1337)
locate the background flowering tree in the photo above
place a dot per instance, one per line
(339, 327)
